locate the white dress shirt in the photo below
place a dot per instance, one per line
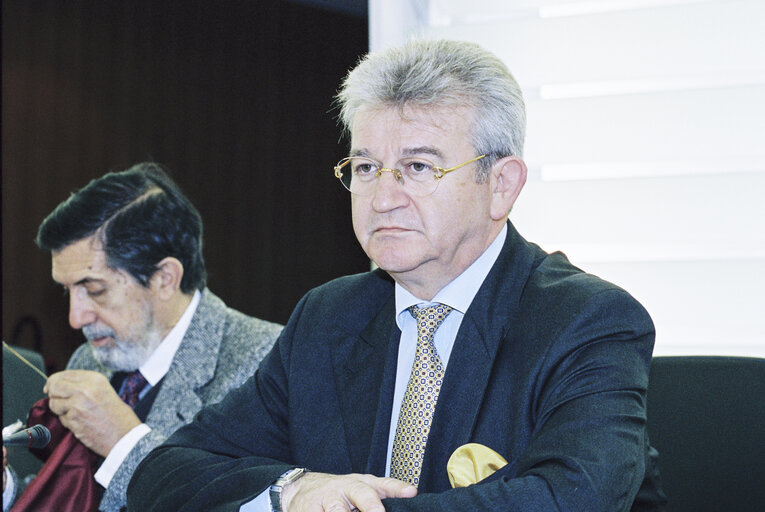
(154, 369)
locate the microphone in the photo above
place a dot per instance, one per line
(37, 436)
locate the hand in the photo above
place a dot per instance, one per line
(86, 404)
(5, 465)
(322, 492)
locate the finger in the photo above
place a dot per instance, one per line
(58, 386)
(49, 383)
(73, 421)
(398, 489)
(57, 406)
(340, 504)
(65, 421)
(77, 377)
(391, 487)
(59, 391)
(336, 506)
(364, 497)
(61, 406)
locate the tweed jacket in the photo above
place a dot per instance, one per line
(220, 350)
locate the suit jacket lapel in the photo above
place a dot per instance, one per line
(362, 366)
(379, 450)
(178, 399)
(485, 325)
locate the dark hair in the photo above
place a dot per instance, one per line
(140, 216)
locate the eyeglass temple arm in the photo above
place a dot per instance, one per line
(442, 171)
(339, 169)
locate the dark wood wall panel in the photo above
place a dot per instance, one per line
(233, 96)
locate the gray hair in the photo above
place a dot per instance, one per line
(442, 73)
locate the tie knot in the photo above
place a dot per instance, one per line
(429, 318)
(132, 386)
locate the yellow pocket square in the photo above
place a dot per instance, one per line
(471, 463)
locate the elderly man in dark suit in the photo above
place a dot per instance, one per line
(127, 249)
(471, 351)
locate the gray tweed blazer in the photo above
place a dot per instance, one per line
(221, 349)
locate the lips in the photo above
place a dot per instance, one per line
(97, 342)
(391, 229)
(98, 335)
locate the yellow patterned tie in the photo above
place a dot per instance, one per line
(420, 397)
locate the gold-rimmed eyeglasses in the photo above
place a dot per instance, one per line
(418, 176)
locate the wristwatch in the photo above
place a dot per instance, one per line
(275, 491)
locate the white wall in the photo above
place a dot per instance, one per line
(645, 144)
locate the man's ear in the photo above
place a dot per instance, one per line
(167, 279)
(507, 175)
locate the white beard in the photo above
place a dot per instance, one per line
(126, 354)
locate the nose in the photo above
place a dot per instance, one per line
(81, 312)
(389, 194)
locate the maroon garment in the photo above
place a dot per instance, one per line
(65, 483)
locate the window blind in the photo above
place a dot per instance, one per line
(645, 145)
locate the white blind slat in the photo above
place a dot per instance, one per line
(671, 212)
(689, 42)
(696, 124)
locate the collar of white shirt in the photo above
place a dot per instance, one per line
(155, 368)
(460, 292)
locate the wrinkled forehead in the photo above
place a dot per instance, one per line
(84, 259)
(436, 113)
(410, 126)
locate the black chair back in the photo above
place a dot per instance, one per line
(22, 387)
(706, 416)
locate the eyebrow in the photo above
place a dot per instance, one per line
(418, 150)
(359, 152)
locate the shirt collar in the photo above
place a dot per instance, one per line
(155, 368)
(460, 292)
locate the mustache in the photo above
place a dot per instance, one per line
(94, 332)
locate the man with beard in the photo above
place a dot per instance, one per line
(127, 250)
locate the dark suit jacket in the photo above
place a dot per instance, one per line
(549, 369)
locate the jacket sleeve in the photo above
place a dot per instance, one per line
(250, 338)
(210, 464)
